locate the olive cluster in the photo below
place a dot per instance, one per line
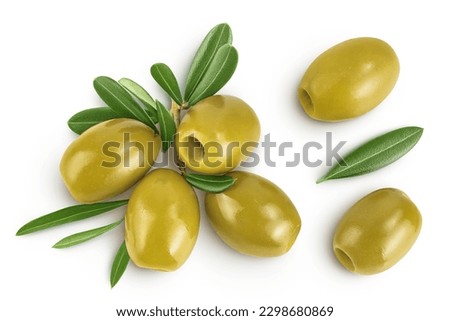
(212, 137)
(163, 214)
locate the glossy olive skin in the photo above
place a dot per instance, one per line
(162, 221)
(217, 134)
(377, 231)
(349, 79)
(254, 216)
(100, 163)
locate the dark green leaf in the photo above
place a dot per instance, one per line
(87, 118)
(119, 100)
(141, 95)
(217, 75)
(167, 126)
(119, 265)
(216, 38)
(84, 236)
(166, 79)
(69, 214)
(376, 153)
(210, 183)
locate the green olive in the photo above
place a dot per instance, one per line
(254, 216)
(217, 134)
(377, 231)
(108, 158)
(349, 79)
(162, 221)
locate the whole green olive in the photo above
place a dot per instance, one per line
(217, 134)
(162, 221)
(108, 158)
(254, 216)
(349, 79)
(377, 231)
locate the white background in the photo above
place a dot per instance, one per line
(51, 52)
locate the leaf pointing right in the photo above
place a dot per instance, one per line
(376, 153)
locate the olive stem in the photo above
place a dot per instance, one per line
(175, 111)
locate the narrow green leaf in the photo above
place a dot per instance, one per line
(119, 100)
(84, 236)
(69, 214)
(217, 75)
(376, 153)
(166, 125)
(119, 265)
(216, 38)
(87, 118)
(210, 183)
(141, 95)
(166, 79)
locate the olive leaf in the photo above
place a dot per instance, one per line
(69, 214)
(87, 118)
(215, 39)
(166, 79)
(376, 153)
(84, 236)
(119, 265)
(119, 100)
(166, 125)
(210, 183)
(141, 95)
(220, 70)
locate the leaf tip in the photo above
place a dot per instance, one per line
(224, 24)
(320, 180)
(97, 79)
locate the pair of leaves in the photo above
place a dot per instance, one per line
(120, 100)
(68, 215)
(212, 67)
(217, 74)
(121, 104)
(76, 213)
(376, 153)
